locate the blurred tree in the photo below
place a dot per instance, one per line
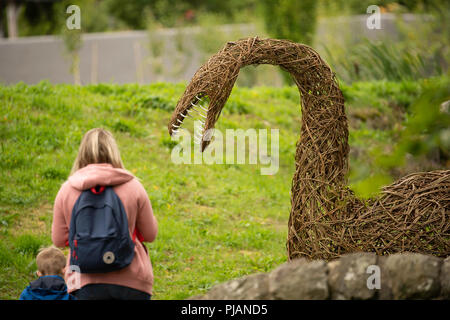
(171, 13)
(290, 19)
(2, 19)
(294, 20)
(38, 17)
(130, 12)
(427, 128)
(360, 6)
(94, 14)
(423, 139)
(12, 7)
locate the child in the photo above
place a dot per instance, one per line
(50, 285)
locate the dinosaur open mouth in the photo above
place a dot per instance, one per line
(198, 110)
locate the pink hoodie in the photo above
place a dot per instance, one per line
(139, 274)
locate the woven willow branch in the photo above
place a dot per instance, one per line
(326, 218)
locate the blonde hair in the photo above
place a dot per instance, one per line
(50, 261)
(97, 146)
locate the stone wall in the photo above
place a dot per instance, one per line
(353, 276)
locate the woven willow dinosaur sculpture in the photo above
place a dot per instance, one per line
(326, 218)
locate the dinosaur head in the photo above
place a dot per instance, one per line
(322, 101)
(196, 105)
(209, 89)
(203, 100)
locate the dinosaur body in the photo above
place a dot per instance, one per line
(326, 219)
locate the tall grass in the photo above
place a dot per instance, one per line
(381, 60)
(419, 49)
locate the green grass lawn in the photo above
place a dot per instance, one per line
(216, 222)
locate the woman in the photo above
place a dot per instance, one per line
(98, 163)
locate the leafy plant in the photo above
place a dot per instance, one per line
(424, 136)
(427, 128)
(291, 19)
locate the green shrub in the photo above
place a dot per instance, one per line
(291, 19)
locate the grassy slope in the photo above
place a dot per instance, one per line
(216, 222)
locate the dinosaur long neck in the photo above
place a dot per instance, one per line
(318, 186)
(322, 151)
(321, 156)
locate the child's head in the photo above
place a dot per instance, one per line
(50, 261)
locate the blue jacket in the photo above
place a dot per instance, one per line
(47, 288)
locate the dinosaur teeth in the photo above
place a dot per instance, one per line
(199, 127)
(200, 113)
(194, 106)
(186, 115)
(203, 108)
